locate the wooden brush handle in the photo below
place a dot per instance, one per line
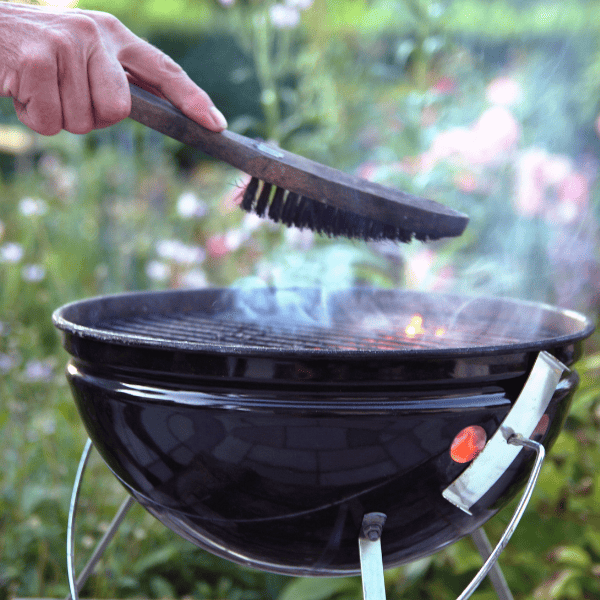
(298, 174)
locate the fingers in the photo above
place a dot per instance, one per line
(110, 97)
(148, 66)
(37, 99)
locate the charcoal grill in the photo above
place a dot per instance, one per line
(274, 427)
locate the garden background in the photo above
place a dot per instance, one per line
(490, 106)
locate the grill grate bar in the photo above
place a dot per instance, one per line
(201, 329)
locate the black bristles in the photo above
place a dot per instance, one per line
(295, 210)
(249, 195)
(263, 200)
(276, 207)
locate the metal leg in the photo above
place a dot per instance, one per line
(496, 576)
(517, 440)
(76, 585)
(371, 560)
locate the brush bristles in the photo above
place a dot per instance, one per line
(294, 210)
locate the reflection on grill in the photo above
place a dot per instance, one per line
(399, 333)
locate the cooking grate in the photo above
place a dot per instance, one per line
(229, 331)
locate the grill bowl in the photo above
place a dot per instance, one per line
(262, 425)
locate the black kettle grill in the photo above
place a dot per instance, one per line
(274, 427)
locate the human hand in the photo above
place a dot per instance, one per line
(69, 69)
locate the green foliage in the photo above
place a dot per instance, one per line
(371, 87)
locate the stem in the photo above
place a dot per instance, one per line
(266, 76)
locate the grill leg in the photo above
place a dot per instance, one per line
(496, 576)
(371, 560)
(76, 584)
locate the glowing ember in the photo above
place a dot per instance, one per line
(415, 327)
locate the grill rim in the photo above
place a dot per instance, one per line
(70, 328)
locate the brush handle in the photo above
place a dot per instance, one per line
(298, 174)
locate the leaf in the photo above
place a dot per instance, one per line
(154, 559)
(573, 556)
(316, 588)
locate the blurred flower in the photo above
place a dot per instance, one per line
(179, 252)
(549, 186)
(466, 181)
(573, 196)
(216, 246)
(11, 252)
(39, 370)
(158, 271)
(444, 85)
(195, 278)
(487, 141)
(252, 222)
(227, 2)
(504, 91)
(7, 362)
(303, 239)
(368, 170)
(189, 205)
(33, 207)
(45, 424)
(531, 184)
(283, 16)
(61, 178)
(33, 273)
(300, 4)
(234, 238)
(421, 271)
(497, 131)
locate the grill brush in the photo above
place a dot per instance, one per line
(299, 192)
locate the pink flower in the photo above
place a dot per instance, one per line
(573, 196)
(495, 133)
(444, 85)
(574, 188)
(503, 91)
(531, 184)
(368, 170)
(421, 271)
(466, 182)
(217, 246)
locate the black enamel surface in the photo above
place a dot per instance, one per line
(271, 458)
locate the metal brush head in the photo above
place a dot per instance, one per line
(294, 210)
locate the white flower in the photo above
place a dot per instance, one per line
(7, 362)
(11, 252)
(252, 221)
(158, 271)
(300, 238)
(284, 17)
(189, 205)
(33, 273)
(300, 4)
(235, 238)
(179, 252)
(33, 207)
(195, 278)
(38, 370)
